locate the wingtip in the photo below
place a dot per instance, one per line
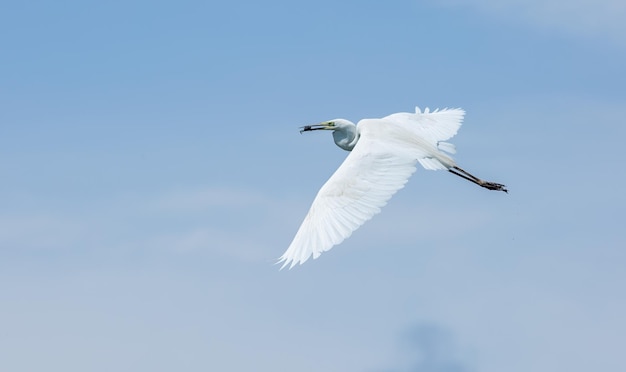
(285, 261)
(282, 261)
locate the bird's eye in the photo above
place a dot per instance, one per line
(331, 124)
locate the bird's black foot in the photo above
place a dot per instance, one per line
(488, 185)
(494, 186)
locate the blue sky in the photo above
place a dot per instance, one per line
(152, 173)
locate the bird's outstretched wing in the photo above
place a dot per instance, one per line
(358, 189)
(434, 127)
(437, 125)
(379, 165)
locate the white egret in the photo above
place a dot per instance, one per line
(383, 155)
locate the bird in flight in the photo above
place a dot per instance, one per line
(383, 155)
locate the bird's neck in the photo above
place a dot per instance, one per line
(346, 137)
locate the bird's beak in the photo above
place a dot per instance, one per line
(321, 126)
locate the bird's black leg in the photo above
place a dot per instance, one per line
(488, 185)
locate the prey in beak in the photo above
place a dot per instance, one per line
(320, 126)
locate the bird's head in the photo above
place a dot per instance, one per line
(336, 124)
(345, 132)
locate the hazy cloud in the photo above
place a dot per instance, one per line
(434, 350)
(431, 348)
(38, 231)
(201, 199)
(604, 19)
(236, 223)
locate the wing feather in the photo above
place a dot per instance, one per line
(432, 128)
(361, 186)
(436, 126)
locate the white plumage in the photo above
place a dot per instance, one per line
(384, 154)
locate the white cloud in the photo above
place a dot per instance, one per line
(241, 224)
(202, 199)
(39, 231)
(595, 19)
(244, 245)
